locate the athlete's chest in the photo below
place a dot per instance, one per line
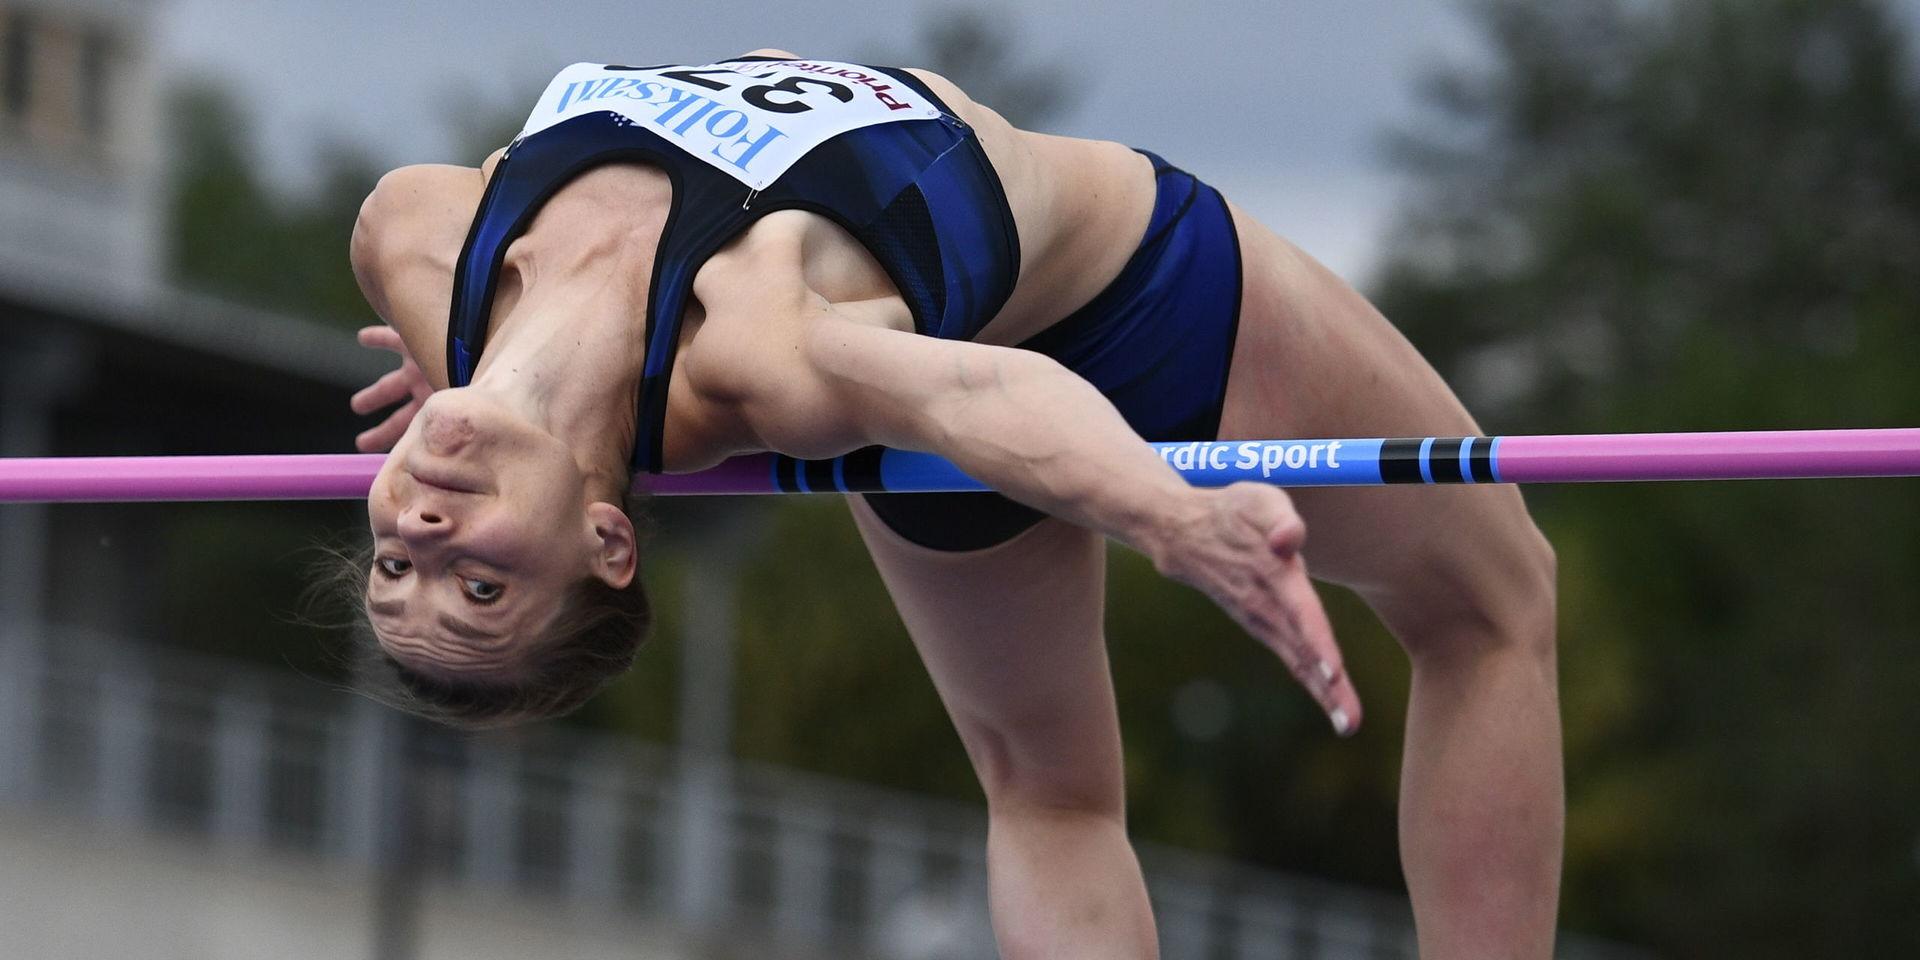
(728, 137)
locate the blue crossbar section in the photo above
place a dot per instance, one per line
(1286, 463)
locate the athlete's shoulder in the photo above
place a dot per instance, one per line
(406, 195)
(412, 211)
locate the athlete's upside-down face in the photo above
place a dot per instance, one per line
(481, 522)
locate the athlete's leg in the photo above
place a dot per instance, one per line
(1012, 635)
(1461, 576)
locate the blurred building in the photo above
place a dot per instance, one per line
(161, 805)
(98, 354)
(79, 140)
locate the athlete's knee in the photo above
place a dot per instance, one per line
(1055, 798)
(1028, 770)
(1494, 596)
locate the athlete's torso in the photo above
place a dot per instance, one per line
(1077, 207)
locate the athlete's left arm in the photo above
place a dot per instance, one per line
(1025, 425)
(1015, 419)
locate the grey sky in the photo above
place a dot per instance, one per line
(1279, 103)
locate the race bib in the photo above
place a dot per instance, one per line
(750, 119)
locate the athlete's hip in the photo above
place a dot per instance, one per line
(1158, 341)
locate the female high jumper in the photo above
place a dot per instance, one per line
(673, 265)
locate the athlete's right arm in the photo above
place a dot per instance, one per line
(405, 243)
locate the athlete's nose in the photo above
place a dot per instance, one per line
(424, 524)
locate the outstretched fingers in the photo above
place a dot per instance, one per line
(1307, 646)
(1247, 557)
(405, 383)
(390, 389)
(381, 439)
(1294, 625)
(379, 336)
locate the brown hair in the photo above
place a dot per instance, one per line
(588, 645)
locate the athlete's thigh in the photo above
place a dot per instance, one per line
(1012, 636)
(1314, 359)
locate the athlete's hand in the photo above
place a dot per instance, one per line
(406, 383)
(1240, 545)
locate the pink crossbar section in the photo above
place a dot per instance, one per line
(1753, 455)
(277, 477)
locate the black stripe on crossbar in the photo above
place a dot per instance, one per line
(1480, 461)
(785, 474)
(1443, 461)
(861, 469)
(819, 474)
(1400, 461)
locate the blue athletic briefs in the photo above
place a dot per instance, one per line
(1156, 342)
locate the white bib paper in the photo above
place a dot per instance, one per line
(750, 119)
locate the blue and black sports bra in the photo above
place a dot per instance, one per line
(871, 148)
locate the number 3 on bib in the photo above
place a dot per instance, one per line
(751, 119)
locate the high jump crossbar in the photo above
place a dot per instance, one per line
(1583, 458)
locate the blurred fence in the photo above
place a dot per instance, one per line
(253, 761)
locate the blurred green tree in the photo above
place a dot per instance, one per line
(234, 235)
(1701, 215)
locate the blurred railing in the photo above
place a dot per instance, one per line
(250, 759)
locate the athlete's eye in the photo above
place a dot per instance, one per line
(482, 591)
(394, 567)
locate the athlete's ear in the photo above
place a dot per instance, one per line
(616, 558)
